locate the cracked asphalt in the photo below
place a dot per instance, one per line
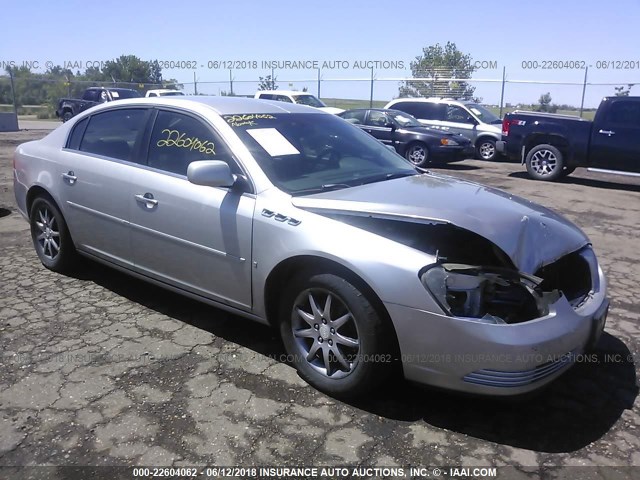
(103, 369)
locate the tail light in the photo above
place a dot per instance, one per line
(508, 122)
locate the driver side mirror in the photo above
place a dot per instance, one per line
(471, 120)
(390, 125)
(211, 173)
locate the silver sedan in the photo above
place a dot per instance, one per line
(293, 217)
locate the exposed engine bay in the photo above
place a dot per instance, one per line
(472, 278)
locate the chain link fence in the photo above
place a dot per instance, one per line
(498, 89)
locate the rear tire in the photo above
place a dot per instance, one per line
(545, 162)
(486, 149)
(67, 115)
(50, 235)
(334, 336)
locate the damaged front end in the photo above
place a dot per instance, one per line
(504, 296)
(474, 279)
(489, 295)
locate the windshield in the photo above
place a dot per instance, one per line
(308, 100)
(405, 120)
(305, 153)
(124, 93)
(483, 113)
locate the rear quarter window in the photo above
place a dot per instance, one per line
(115, 133)
(73, 142)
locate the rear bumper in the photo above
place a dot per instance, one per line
(508, 150)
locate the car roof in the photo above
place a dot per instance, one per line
(429, 100)
(220, 105)
(286, 92)
(163, 90)
(113, 88)
(373, 110)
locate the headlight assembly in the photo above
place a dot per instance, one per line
(485, 294)
(449, 142)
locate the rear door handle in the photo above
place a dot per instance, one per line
(70, 177)
(147, 199)
(606, 132)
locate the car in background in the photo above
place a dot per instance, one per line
(552, 146)
(419, 144)
(163, 92)
(291, 217)
(292, 96)
(477, 123)
(70, 107)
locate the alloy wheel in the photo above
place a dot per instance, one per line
(49, 237)
(544, 162)
(325, 333)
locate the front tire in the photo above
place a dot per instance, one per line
(545, 162)
(50, 235)
(486, 149)
(418, 154)
(334, 336)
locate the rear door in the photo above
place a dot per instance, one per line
(458, 120)
(100, 157)
(428, 113)
(378, 124)
(191, 236)
(615, 140)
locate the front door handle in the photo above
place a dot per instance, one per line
(70, 177)
(146, 199)
(608, 133)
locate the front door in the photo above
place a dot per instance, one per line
(615, 141)
(191, 236)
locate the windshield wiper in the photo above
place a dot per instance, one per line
(323, 188)
(389, 176)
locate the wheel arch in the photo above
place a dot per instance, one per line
(288, 268)
(485, 136)
(39, 191)
(557, 141)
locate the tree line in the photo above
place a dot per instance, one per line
(129, 71)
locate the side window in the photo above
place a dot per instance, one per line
(283, 98)
(356, 116)
(153, 94)
(422, 110)
(76, 134)
(114, 133)
(457, 114)
(91, 95)
(266, 96)
(178, 139)
(626, 114)
(377, 119)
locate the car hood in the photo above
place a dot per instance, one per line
(531, 235)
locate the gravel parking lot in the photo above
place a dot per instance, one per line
(102, 369)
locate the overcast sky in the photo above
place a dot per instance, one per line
(206, 32)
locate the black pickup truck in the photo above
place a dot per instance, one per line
(552, 146)
(70, 107)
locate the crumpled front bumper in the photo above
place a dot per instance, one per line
(511, 359)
